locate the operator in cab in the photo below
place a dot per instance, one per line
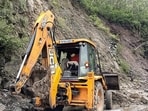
(74, 59)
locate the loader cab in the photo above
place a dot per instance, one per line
(85, 61)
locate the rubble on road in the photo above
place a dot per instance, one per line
(9, 102)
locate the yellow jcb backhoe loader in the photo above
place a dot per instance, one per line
(58, 73)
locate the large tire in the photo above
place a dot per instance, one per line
(98, 97)
(58, 108)
(108, 101)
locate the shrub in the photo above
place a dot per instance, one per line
(9, 44)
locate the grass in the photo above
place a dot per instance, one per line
(124, 66)
(101, 26)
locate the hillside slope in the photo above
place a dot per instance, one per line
(73, 22)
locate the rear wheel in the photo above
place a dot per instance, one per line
(98, 97)
(108, 101)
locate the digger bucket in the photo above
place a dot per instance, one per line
(112, 81)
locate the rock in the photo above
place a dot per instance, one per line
(146, 90)
(135, 96)
(2, 107)
(4, 82)
(0, 81)
(2, 63)
(136, 108)
(17, 109)
(14, 102)
(144, 100)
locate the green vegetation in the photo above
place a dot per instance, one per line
(12, 28)
(131, 14)
(62, 23)
(55, 2)
(100, 25)
(124, 66)
(9, 45)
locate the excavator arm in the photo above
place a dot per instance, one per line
(42, 39)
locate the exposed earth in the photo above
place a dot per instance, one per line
(74, 22)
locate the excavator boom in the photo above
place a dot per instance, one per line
(41, 42)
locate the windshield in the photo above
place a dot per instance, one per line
(68, 58)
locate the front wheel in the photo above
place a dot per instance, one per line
(98, 97)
